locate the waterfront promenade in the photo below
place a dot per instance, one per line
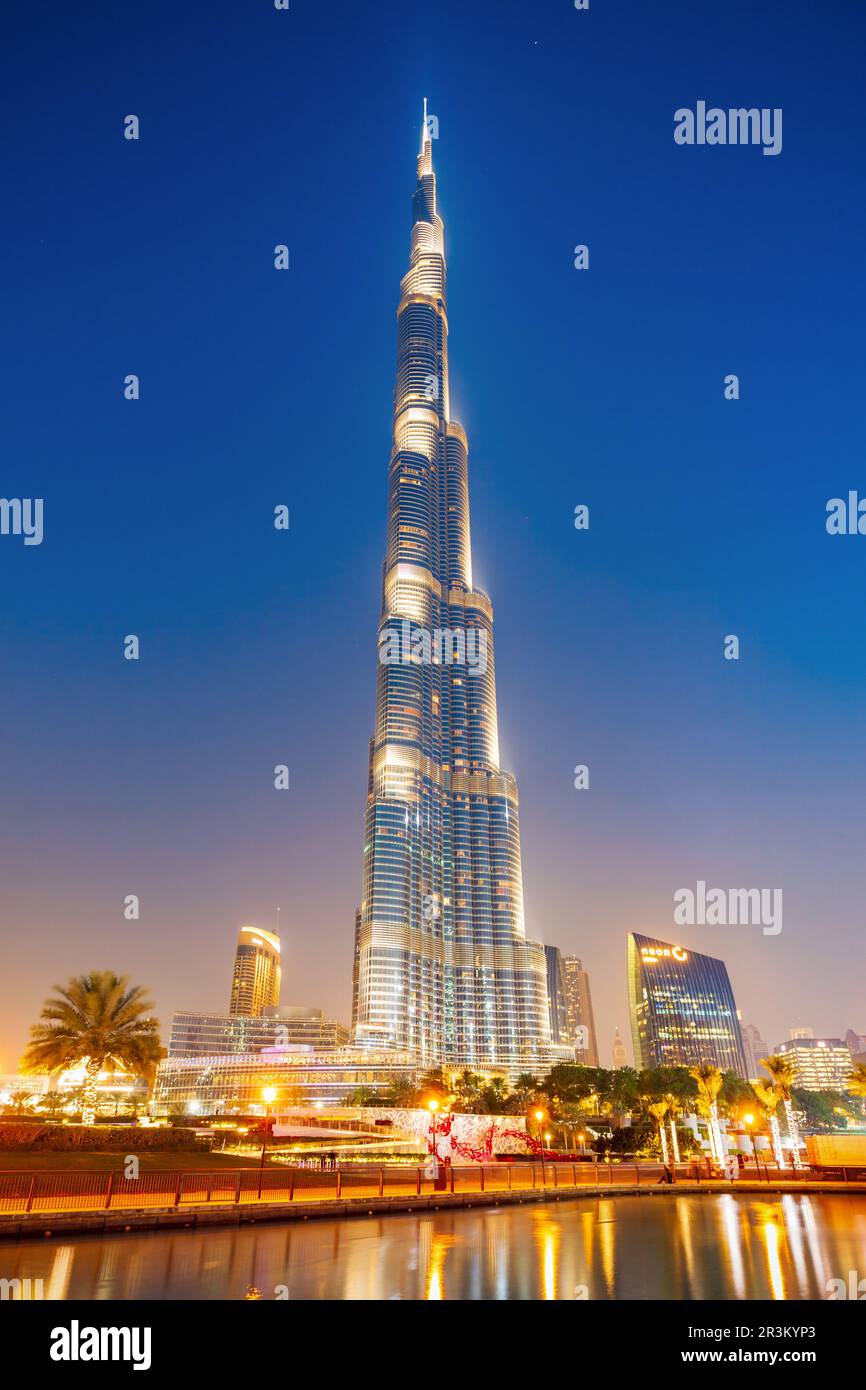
(41, 1203)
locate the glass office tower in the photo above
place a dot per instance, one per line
(443, 966)
(559, 1032)
(682, 1008)
(578, 1004)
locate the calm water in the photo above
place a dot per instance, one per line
(626, 1247)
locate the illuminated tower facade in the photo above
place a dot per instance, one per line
(682, 1008)
(578, 1004)
(443, 966)
(256, 974)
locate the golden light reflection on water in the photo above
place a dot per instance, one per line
(439, 1247)
(771, 1234)
(666, 1245)
(794, 1233)
(547, 1239)
(605, 1231)
(734, 1242)
(684, 1222)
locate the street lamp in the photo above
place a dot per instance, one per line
(539, 1117)
(433, 1106)
(269, 1095)
(748, 1121)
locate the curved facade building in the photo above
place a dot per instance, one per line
(682, 1008)
(256, 975)
(442, 965)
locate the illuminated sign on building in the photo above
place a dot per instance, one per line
(653, 953)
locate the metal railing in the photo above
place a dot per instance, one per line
(25, 1192)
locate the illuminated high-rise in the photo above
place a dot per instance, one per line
(580, 1030)
(556, 996)
(682, 1008)
(754, 1048)
(444, 968)
(256, 974)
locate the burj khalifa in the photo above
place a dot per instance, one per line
(443, 968)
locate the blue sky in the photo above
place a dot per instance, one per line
(603, 387)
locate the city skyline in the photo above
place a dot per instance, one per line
(155, 778)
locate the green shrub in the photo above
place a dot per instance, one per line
(42, 1138)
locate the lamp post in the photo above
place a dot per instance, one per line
(539, 1120)
(748, 1121)
(269, 1095)
(433, 1106)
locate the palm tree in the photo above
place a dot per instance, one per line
(19, 1101)
(100, 1020)
(857, 1080)
(402, 1094)
(674, 1107)
(468, 1087)
(364, 1096)
(784, 1075)
(709, 1082)
(659, 1108)
(434, 1084)
(524, 1091)
(621, 1092)
(494, 1095)
(53, 1102)
(768, 1098)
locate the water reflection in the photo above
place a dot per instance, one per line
(679, 1247)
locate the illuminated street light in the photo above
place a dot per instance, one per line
(748, 1121)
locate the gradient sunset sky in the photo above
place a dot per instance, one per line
(603, 387)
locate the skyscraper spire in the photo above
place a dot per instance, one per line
(443, 966)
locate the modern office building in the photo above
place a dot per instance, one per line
(821, 1064)
(801, 1032)
(200, 1035)
(578, 1005)
(356, 965)
(556, 995)
(256, 974)
(855, 1042)
(444, 967)
(620, 1056)
(682, 1008)
(754, 1048)
(234, 1084)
